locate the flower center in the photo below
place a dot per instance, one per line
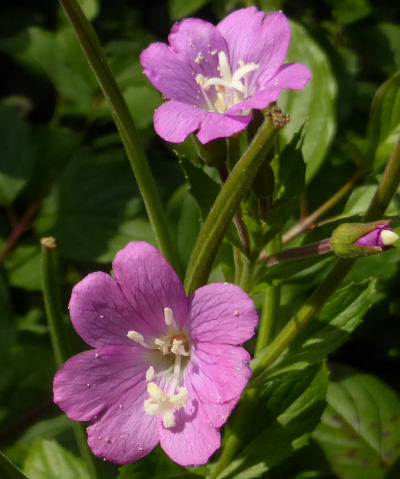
(230, 89)
(169, 355)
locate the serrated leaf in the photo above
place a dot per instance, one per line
(316, 103)
(338, 318)
(104, 212)
(182, 8)
(384, 123)
(47, 459)
(289, 408)
(16, 160)
(157, 465)
(360, 428)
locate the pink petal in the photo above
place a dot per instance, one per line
(100, 313)
(174, 120)
(169, 73)
(218, 372)
(292, 75)
(91, 382)
(193, 439)
(108, 387)
(217, 125)
(150, 284)
(198, 42)
(222, 313)
(253, 37)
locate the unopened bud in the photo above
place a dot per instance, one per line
(350, 240)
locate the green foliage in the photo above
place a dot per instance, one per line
(184, 8)
(16, 160)
(157, 466)
(48, 459)
(316, 103)
(384, 122)
(359, 431)
(290, 404)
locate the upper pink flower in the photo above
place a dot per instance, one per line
(213, 76)
(166, 368)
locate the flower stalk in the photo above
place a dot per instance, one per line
(96, 58)
(225, 206)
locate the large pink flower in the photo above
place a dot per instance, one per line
(213, 76)
(166, 367)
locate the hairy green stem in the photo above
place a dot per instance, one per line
(58, 334)
(224, 208)
(270, 308)
(307, 251)
(97, 60)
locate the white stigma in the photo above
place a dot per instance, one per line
(161, 403)
(388, 237)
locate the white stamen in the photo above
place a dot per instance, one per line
(199, 58)
(225, 69)
(135, 336)
(178, 348)
(169, 317)
(388, 237)
(150, 373)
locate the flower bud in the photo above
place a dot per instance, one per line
(350, 240)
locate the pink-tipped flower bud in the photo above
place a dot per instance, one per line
(351, 240)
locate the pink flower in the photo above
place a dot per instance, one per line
(166, 368)
(380, 237)
(213, 76)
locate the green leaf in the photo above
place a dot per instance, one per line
(95, 208)
(290, 405)
(349, 11)
(58, 57)
(360, 428)
(47, 459)
(182, 8)
(183, 216)
(203, 188)
(7, 325)
(8, 470)
(157, 465)
(384, 123)
(23, 267)
(338, 318)
(16, 160)
(316, 103)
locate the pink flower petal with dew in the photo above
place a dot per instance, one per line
(253, 37)
(169, 73)
(125, 433)
(107, 386)
(198, 42)
(193, 439)
(218, 372)
(174, 120)
(222, 313)
(101, 314)
(91, 382)
(218, 125)
(150, 284)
